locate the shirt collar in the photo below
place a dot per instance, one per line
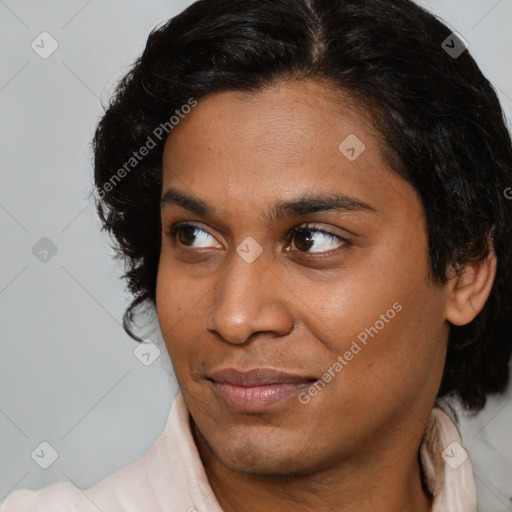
(446, 465)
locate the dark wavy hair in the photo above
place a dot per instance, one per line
(439, 119)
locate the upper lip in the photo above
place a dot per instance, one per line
(256, 377)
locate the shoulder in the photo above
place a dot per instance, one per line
(158, 480)
(127, 487)
(61, 496)
(114, 493)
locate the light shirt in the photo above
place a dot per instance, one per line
(170, 477)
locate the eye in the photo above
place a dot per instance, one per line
(190, 235)
(307, 237)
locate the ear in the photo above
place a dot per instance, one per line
(469, 289)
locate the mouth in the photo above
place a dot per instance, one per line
(257, 389)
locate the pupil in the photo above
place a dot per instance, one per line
(305, 240)
(186, 236)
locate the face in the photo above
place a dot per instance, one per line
(293, 292)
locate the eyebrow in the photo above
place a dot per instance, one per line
(303, 205)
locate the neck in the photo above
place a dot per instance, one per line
(383, 481)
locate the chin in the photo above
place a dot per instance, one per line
(256, 460)
(267, 452)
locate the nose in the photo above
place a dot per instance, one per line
(249, 299)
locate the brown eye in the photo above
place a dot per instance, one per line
(303, 240)
(191, 236)
(306, 238)
(186, 235)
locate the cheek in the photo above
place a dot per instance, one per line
(386, 321)
(410, 345)
(395, 357)
(363, 300)
(177, 304)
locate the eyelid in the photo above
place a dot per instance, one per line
(318, 228)
(186, 224)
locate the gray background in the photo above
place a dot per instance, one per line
(68, 374)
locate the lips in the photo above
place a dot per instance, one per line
(256, 389)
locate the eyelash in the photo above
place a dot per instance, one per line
(175, 228)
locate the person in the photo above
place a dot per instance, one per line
(312, 195)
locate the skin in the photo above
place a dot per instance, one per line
(354, 446)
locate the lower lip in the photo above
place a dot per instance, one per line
(257, 398)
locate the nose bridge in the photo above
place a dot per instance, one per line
(248, 299)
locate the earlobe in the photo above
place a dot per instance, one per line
(469, 290)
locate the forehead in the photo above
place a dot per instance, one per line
(286, 120)
(276, 143)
